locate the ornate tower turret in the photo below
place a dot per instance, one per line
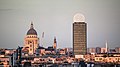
(55, 43)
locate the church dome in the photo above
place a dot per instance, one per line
(31, 31)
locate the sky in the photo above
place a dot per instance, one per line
(55, 18)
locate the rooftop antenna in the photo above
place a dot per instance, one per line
(106, 44)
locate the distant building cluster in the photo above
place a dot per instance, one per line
(34, 53)
(102, 50)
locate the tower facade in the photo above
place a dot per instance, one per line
(79, 35)
(55, 43)
(31, 40)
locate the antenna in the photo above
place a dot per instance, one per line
(106, 44)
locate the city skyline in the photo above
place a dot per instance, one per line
(55, 18)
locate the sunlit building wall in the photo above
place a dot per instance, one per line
(31, 40)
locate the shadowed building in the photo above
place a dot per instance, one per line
(98, 50)
(79, 35)
(31, 40)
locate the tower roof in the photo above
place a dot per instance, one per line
(31, 31)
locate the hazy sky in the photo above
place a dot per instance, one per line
(55, 18)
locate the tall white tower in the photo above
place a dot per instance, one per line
(106, 44)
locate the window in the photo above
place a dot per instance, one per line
(96, 58)
(100, 58)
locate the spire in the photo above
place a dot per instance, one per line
(106, 44)
(31, 25)
(54, 39)
(55, 43)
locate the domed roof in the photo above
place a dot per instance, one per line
(31, 31)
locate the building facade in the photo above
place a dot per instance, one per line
(103, 50)
(92, 50)
(31, 40)
(108, 57)
(79, 36)
(117, 49)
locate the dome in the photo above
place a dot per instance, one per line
(31, 31)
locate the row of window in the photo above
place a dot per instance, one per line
(31, 41)
(31, 36)
(108, 58)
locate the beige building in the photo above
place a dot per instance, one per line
(111, 57)
(9, 51)
(103, 50)
(117, 49)
(31, 40)
(89, 57)
(5, 61)
(92, 50)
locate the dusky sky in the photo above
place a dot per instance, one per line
(55, 18)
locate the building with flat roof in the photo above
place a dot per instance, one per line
(79, 35)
